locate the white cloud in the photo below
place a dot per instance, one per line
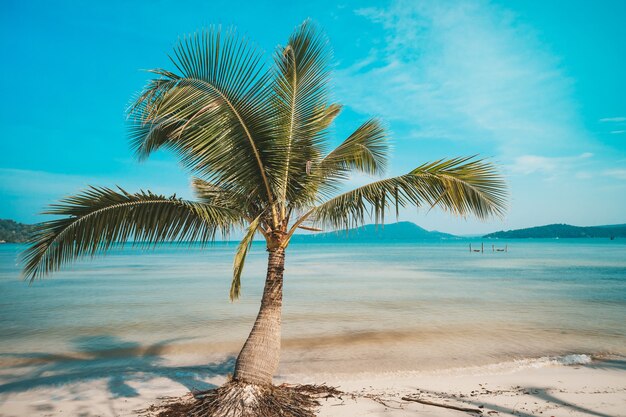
(619, 174)
(613, 120)
(531, 164)
(468, 72)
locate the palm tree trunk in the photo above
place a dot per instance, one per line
(258, 360)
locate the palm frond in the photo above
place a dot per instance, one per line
(327, 115)
(462, 186)
(366, 150)
(240, 258)
(213, 112)
(301, 102)
(99, 217)
(228, 195)
(224, 195)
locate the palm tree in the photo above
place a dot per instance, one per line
(256, 140)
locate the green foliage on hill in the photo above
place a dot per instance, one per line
(14, 232)
(562, 231)
(401, 231)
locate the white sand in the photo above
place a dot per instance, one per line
(533, 388)
(546, 391)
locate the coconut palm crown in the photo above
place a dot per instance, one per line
(257, 142)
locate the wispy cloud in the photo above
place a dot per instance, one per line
(613, 119)
(468, 72)
(619, 174)
(531, 164)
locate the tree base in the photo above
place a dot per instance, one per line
(238, 399)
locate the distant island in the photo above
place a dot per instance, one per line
(410, 232)
(562, 231)
(393, 232)
(14, 232)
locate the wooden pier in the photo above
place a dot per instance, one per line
(493, 248)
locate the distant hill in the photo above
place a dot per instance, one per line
(563, 231)
(401, 231)
(14, 232)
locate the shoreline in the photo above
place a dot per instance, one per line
(570, 385)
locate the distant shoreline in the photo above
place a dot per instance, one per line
(15, 232)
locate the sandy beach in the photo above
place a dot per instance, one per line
(571, 386)
(536, 389)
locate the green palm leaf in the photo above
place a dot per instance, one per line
(327, 115)
(225, 195)
(366, 150)
(301, 102)
(240, 258)
(460, 185)
(99, 217)
(212, 113)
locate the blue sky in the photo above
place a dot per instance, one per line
(539, 87)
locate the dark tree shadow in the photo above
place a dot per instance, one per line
(115, 360)
(541, 393)
(476, 402)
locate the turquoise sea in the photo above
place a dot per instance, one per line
(348, 308)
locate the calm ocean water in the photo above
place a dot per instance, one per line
(348, 308)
